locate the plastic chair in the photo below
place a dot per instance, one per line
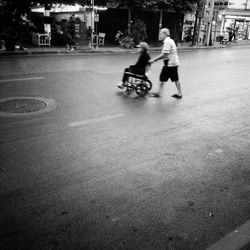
(44, 39)
(41, 39)
(101, 39)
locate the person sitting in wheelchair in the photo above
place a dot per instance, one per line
(141, 65)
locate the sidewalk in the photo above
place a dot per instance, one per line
(111, 49)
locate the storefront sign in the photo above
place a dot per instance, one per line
(201, 8)
(208, 14)
(96, 18)
(239, 4)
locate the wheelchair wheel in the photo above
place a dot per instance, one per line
(149, 84)
(141, 89)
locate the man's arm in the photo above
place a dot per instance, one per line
(162, 55)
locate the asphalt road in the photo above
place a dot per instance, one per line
(108, 171)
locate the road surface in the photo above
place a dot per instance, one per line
(102, 170)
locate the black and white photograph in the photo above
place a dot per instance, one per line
(125, 124)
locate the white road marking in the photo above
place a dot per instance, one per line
(218, 151)
(96, 120)
(235, 240)
(22, 79)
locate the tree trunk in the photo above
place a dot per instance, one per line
(10, 44)
(194, 40)
(178, 27)
(160, 22)
(129, 21)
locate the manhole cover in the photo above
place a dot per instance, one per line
(25, 105)
(21, 105)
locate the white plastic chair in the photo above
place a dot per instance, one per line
(101, 38)
(41, 39)
(44, 39)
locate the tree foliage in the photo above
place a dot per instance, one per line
(12, 10)
(130, 4)
(180, 6)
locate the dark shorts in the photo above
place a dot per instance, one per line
(169, 72)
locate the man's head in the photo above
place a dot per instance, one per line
(163, 34)
(143, 46)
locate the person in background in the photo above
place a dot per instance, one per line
(225, 36)
(171, 62)
(230, 33)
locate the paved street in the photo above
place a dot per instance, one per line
(102, 170)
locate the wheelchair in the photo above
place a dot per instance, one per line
(138, 83)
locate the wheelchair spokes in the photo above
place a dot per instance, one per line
(141, 89)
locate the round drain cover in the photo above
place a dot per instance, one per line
(25, 105)
(21, 105)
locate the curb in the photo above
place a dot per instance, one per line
(117, 50)
(236, 240)
(61, 52)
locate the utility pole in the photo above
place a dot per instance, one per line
(194, 40)
(93, 14)
(92, 2)
(199, 15)
(210, 23)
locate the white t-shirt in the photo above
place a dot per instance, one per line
(170, 51)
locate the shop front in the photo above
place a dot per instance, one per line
(69, 24)
(237, 22)
(236, 18)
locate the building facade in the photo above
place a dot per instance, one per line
(236, 16)
(217, 17)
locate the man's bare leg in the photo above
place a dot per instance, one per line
(179, 93)
(158, 94)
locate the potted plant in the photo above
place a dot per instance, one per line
(127, 42)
